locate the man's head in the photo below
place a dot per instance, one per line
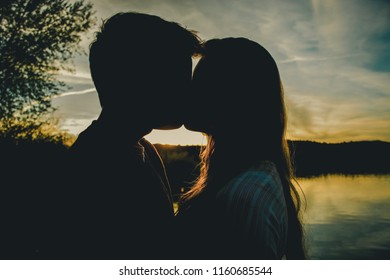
(141, 66)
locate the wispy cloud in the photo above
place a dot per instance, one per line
(312, 59)
(80, 92)
(85, 76)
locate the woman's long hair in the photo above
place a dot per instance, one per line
(235, 73)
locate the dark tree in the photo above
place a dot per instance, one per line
(37, 39)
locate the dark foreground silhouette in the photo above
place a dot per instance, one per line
(33, 180)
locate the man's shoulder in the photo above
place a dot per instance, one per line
(147, 145)
(151, 152)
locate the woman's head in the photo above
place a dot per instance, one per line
(237, 92)
(239, 104)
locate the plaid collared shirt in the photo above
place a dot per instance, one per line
(254, 206)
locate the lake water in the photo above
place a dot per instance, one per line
(347, 217)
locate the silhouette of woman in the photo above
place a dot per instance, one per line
(244, 204)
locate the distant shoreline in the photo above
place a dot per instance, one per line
(311, 159)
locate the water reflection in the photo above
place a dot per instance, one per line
(347, 217)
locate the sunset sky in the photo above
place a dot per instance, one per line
(333, 56)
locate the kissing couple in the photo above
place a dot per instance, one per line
(243, 205)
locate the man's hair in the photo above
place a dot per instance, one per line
(131, 43)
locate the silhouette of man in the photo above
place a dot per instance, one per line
(121, 206)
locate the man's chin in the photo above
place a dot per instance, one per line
(169, 126)
(192, 127)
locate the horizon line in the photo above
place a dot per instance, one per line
(312, 141)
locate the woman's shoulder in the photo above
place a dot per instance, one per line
(263, 176)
